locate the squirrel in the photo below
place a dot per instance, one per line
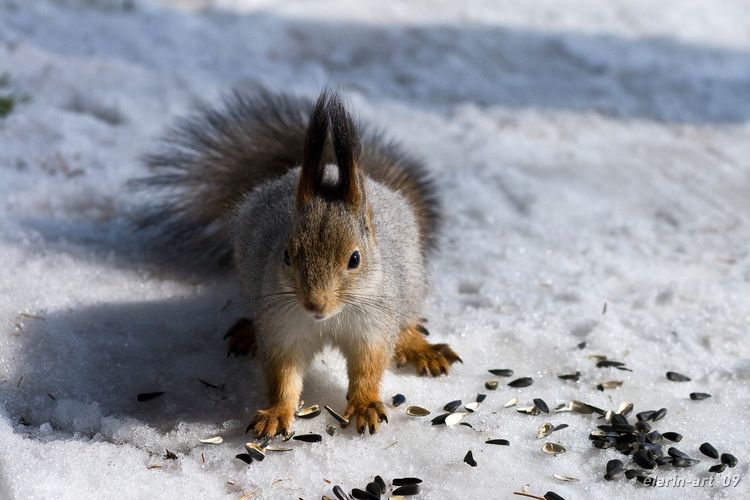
(329, 226)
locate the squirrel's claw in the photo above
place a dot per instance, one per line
(271, 422)
(367, 416)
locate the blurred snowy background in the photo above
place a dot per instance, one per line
(588, 153)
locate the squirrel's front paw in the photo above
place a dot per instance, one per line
(271, 422)
(366, 415)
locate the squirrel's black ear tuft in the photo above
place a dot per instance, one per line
(346, 147)
(315, 143)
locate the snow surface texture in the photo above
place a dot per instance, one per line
(589, 153)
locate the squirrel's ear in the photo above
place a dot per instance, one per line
(346, 147)
(315, 142)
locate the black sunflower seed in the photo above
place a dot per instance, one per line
(551, 495)
(607, 363)
(404, 481)
(481, 397)
(521, 382)
(539, 403)
(245, 458)
(559, 427)
(381, 484)
(339, 492)
(502, 372)
(582, 345)
(654, 437)
(684, 462)
(643, 426)
(502, 442)
(407, 490)
(309, 438)
(373, 489)
(452, 406)
(440, 419)
(728, 459)
(614, 467)
(673, 436)
(677, 377)
(699, 396)
(363, 495)
(570, 376)
(643, 459)
(398, 400)
(645, 415)
(718, 468)
(469, 459)
(602, 444)
(660, 414)
(148, 396)
(674, 452)
(631, 473)
(663, 460)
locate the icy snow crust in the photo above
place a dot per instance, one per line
(587, 152)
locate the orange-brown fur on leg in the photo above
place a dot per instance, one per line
(433, 359)
(366, 365)
(284, 378)
(241, 338)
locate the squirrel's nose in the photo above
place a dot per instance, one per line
(315, 305)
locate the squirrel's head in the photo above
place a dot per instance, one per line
(331, 246)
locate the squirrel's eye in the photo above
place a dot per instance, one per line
(287, 261)
(354, 260)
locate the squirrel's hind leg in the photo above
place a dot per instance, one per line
(412, 347)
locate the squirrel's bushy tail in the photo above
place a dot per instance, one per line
(209, 161)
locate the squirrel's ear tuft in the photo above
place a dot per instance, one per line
(346, 147)
(315, 143)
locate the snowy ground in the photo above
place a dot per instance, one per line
(589, 153)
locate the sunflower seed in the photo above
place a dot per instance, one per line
(407, 490)
(551, 495)
(309, 412)
(597, 357)
(545, 430)
(607, 363)
(645, 415)
(244, 457)
(440, 419)
(580, 407)
(330, 429)
(614, 467)
(728, 459)
(309, 438)
(625, 408)
(490, 385)
(560, 427)
(339, 492)
(343, 421)
(363, 495)
(502, 372)
(570, 376)
(685, 462)
(553, 448)
(452, 406)
(454, 418)
(501, 442)
(699, 396)
(373, 489)
(709, 450)
(677, 377)
(398, 400)
(567, 479)
(718, 468)
(660, 414)
(212, 440)
(672, 436)
(255, 451)
(404, 481)
(481, 397)
(582, 345)
(674, 452)
(466, 424)
(511, 402)
(528, 410)
(521, 382)
(469, 459)
(381, 484)
(417, 411)
(610, 384)
(472, 407)
(643, 459)
(655, 437)
(539, 403)
(277, 449)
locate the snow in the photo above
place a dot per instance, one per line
(588, 154)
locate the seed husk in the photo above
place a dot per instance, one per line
(608, 363)
(718, 468)
(553, 448)
(469, 459)
(502, 372)
(481, 397)
(699, 396)
(521, 382)
(148, 396)
(440, 419)
(539, 403)
(381, 484)
(580, 407)
(728, 459)
(277, 449)
(454, 418)
(466, 424)
(609, 384)
(364, 495)
(330, 429)
(339, 492)
(528, 410)
(490, 385)
(677, 377)
(309, 438)
(511, 402)
(684, 462)
(570, 376)
(417, 411)
(398, 400)
(407, 490)
(287, 437)
(672, 436)
(472, 407)
(244, 457)
(452, 406)
(643, 459)
(708, 450)
(403, 481)
(255, 451)
(567, 479)
(309, 412)
(545, 430)
(560, 427)
(551, 495)
(212, 440)
(343, 421)
(501, 442)
(625, 408)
